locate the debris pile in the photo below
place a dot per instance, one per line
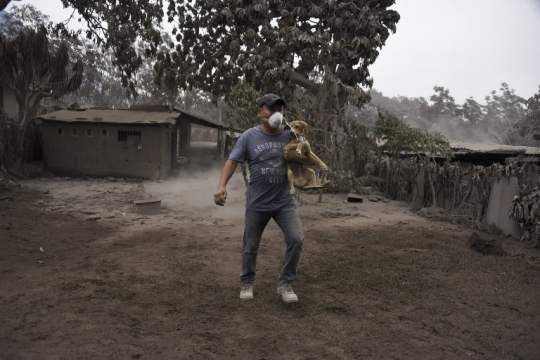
(8, 183)
(525, 211)
(485, 247)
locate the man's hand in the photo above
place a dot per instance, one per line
(291, 155)
(288, 154)
(220, 197)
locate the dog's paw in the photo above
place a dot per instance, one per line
(324, 167)
(292, 192)
(298, 151)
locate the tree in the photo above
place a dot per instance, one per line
(101, 85)
(399, 137)
(275, 45)
(505, 107)
(443, 102)
(270, 43)
(526, 128)
(533, 113)
(33, 72)
(23, 16)
(503, 112)
(117, 25)
(472, 111)
(242, 99)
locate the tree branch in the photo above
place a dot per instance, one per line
(5, 3)
(68, 20)
(302, 81)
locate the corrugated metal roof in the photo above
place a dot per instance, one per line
(461, 147)
(119, 116)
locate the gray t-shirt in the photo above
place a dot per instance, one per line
(268, 189)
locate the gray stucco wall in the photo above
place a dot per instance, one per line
(103, 154)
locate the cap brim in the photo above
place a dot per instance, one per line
(272, 102)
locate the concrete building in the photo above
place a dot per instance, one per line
(142, 142)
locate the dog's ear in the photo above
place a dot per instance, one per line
(304, 124)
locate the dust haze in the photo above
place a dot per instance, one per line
(191, 193)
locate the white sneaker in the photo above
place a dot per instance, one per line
(287, 293)
(246, 293)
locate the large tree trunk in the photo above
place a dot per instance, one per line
(27, 111)
(16, 165)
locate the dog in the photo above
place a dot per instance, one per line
(299, 176)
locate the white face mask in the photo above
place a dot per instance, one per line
(275, 120)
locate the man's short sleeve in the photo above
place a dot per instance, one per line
(239, 152)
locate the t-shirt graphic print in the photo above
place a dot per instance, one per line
(268, 188)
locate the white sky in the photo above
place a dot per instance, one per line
(467, 46)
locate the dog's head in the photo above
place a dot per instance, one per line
(299, 127)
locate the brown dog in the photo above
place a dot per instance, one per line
(299, 176)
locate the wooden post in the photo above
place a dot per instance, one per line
(323, 176)
(221, 144)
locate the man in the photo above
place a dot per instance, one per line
(268, 196)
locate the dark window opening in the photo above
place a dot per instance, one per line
(123, 135)
(88, 132)
(74, 132)
(60, 131)
(104, 133)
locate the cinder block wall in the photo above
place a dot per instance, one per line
(68, 148)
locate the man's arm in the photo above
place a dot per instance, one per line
(291, 155)
(220, 197)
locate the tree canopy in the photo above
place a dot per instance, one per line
(30, 69)
(33, 71)
(117, 26)
(270, 43)
(529, 125)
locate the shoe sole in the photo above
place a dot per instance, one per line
(289, 302)
(248, 298)
(285, 301)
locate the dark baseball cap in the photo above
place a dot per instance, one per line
(270, 99)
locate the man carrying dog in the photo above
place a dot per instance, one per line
(268, 197)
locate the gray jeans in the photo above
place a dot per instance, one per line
(288, 220)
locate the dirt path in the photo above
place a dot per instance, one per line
(375, 281)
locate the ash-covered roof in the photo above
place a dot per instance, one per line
(137, 114)
(463, 147)
(119, 116)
